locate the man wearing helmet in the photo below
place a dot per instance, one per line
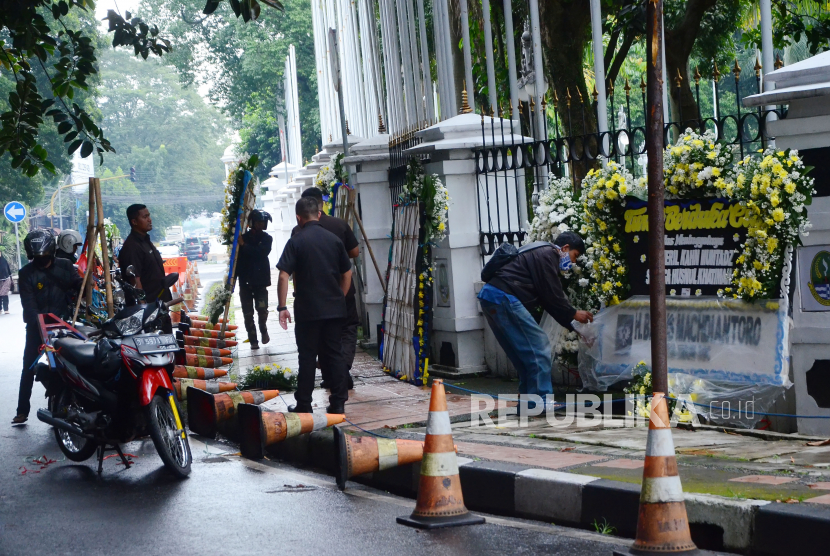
(254, 275)
(46, 285)
(68, 243)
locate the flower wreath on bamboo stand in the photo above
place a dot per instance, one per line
(773, 186)
(234, 193)
(432, 196)
(329, 179)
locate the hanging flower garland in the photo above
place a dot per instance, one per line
(774, 187)
(233, 196)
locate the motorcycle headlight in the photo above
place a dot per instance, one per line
(152, 316)
(130, 325)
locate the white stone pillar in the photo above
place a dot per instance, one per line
(368, 168)
(457, 340)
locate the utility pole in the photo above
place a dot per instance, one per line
(656, 193)
(334, 60)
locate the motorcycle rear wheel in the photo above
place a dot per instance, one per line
(74, 447)
(171, 444)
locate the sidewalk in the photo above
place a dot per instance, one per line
(746, 471)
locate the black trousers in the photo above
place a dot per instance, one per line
(27, 378)
(320, 338)
(349, 337)
(4, 302)
(254, 297)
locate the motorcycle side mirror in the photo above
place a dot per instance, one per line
(170, 279)
(118, 274)
(130, 272)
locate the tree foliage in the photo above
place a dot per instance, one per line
(243, 66)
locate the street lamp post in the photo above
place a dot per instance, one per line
(656, 192)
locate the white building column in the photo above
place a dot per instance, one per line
(457, 338)
(368, 168)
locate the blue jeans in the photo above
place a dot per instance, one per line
(525, 343)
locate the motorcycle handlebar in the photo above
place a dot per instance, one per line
(173, 302)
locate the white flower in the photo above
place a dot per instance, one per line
(642, 258)
(698, 292)
(672, 292)
(583, 282)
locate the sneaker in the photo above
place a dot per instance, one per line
(297, 408)
(20, 419)
(336, 409)
(8, 313)
(265, 337)
(254, 345)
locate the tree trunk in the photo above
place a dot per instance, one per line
(457, 54)
(565, 34)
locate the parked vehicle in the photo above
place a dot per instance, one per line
(174, 234)
(193, 249)
(114, 385)
(169, 250)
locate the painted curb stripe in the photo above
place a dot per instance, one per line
(439, 465)
(387, 453)
(320, 421)
(661, 489)
(438, 422)
(659, 443)
(293, 425)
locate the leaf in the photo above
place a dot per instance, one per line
(74, 146)
(86, 150)
(211, 6)
(64, 127)
(236, 7)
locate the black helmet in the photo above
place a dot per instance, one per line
(259, 216)
(40, 243)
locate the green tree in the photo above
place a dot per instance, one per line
(172, 138)
(243, 64)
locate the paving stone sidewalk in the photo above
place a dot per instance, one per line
(735, 464)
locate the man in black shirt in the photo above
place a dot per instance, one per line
(254, 274)
(322, 276)
(46, 286)
(138, 250)
(345, 234)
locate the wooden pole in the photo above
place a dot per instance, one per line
(368, 245)
(90, 235)
(105, 257)
(91, 245)
(656, 192)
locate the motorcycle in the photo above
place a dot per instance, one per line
(114, 385)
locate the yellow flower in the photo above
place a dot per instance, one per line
(441, 226)
(617, 248)
(790, 188)
(716, 172)
(778, 215)
(602, 225)
(607, 286)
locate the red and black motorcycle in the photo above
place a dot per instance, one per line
(114, 385)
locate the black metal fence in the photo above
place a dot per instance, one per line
(510, 166)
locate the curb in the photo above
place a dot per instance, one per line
(754, 527)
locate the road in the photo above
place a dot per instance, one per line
(228, 506)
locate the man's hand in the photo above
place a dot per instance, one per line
(240, 241)
(584, 317)
(285, 318)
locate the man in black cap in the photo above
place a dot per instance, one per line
(344, 233)
(254, 274)
(322, 275)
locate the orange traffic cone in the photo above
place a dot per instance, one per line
(259, 427)
(195, 316)
(204, 333)
(205, 411)
(208, 342)
(210, 352)
(662, 524)
(440, 501)
(356, 455)
(182, 385)
(205, 361)
(207, 325)
(181, 371)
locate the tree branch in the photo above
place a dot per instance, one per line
(619, 59)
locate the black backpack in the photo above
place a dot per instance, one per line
(506, 253)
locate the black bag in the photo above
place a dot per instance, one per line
(506, 253)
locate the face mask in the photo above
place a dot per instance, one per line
(565, 263)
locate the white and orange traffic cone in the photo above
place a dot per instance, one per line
(260, 428)
(356, 455)
(662, 524)
(440, 501)
(206, 411)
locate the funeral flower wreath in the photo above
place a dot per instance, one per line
(773, 187)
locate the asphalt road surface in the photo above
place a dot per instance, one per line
(228, 506)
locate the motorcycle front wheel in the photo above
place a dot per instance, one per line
(74, 447)
(170, 442)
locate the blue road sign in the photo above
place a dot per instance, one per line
(15, 212)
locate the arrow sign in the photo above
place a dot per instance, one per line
(15, 212)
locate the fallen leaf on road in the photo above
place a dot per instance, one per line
(568, 449)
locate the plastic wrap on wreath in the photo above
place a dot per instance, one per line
(730, 358)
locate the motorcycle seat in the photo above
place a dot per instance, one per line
(79, 353)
